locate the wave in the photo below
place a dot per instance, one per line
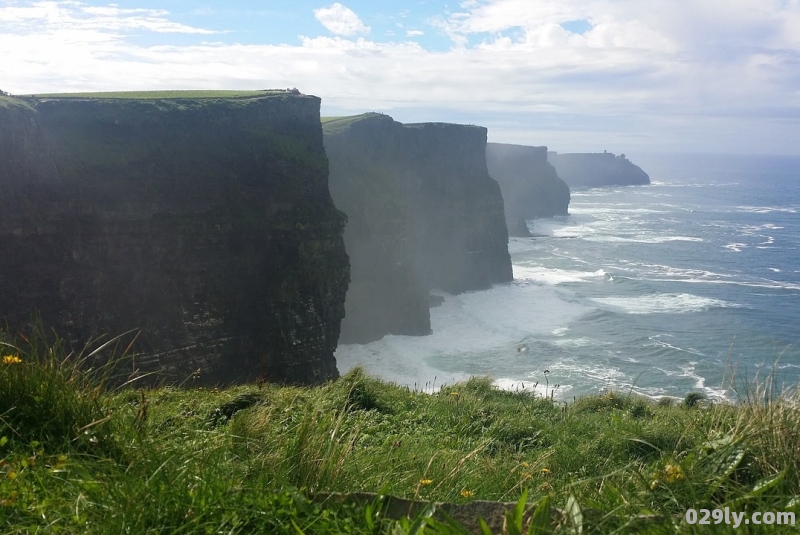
(643, 239)
(663, 303)
(671, 271)
(767, 283)
(692, 185)
(735, 247)
(766, 209)
(593, 210)
(689, 371)
(552, 276)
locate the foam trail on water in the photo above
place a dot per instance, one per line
(662, 303)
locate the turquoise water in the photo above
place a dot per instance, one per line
(661, 289)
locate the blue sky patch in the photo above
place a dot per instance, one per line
(579, 26)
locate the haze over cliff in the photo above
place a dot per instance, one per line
(423, 213)
(205, 222)
(590, 170)
(529, 184)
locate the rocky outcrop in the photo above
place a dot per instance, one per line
(529, 184)
(423, 213)
(592, 170)
(205, 222)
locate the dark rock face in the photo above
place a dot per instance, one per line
(205, 223)
(529, 184)
(592, 170)
(423, 213)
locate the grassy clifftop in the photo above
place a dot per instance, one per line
(148, 95)
(256, 458)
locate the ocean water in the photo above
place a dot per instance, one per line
(679, 286)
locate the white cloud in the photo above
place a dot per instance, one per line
(341, 20)
(414, 33)
(77, 16)
(674, 77)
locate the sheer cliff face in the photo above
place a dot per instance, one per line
(387, 293)
(529, 184)
(205, 223)
(423, 213)
(591, 170)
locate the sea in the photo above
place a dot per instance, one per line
(689, 284)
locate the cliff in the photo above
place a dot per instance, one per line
(423, 213)
(204, 221)
(529, 184)
(591, 170)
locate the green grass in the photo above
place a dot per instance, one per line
(148, 95)
(334, 125)
(78, 457)
(11, 102)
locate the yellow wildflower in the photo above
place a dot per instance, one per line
(545, 470)
(467, 493)
(673, 473)
(526, 465)
(654, 484)
(424, 482)
(11, 359)
(454, 394)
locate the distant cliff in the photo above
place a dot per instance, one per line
(206, 222)
(589, 170)
(423, 213)
(529, 184)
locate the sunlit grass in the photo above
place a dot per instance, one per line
(80, 458)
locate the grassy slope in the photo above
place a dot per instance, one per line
(168, 461)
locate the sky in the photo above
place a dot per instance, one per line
(627, 76)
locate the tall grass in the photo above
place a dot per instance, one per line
(52, 395)
(80, 457)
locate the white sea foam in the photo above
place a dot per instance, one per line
(466, 328)
(593, 210)
(561, 331)
(765, 209)
(662, 303)
(767, 283)
(657, 340)
(577, 342)
(671, 271)
(736, 247)
(643, 239)
(691, 185)
(551, 276)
